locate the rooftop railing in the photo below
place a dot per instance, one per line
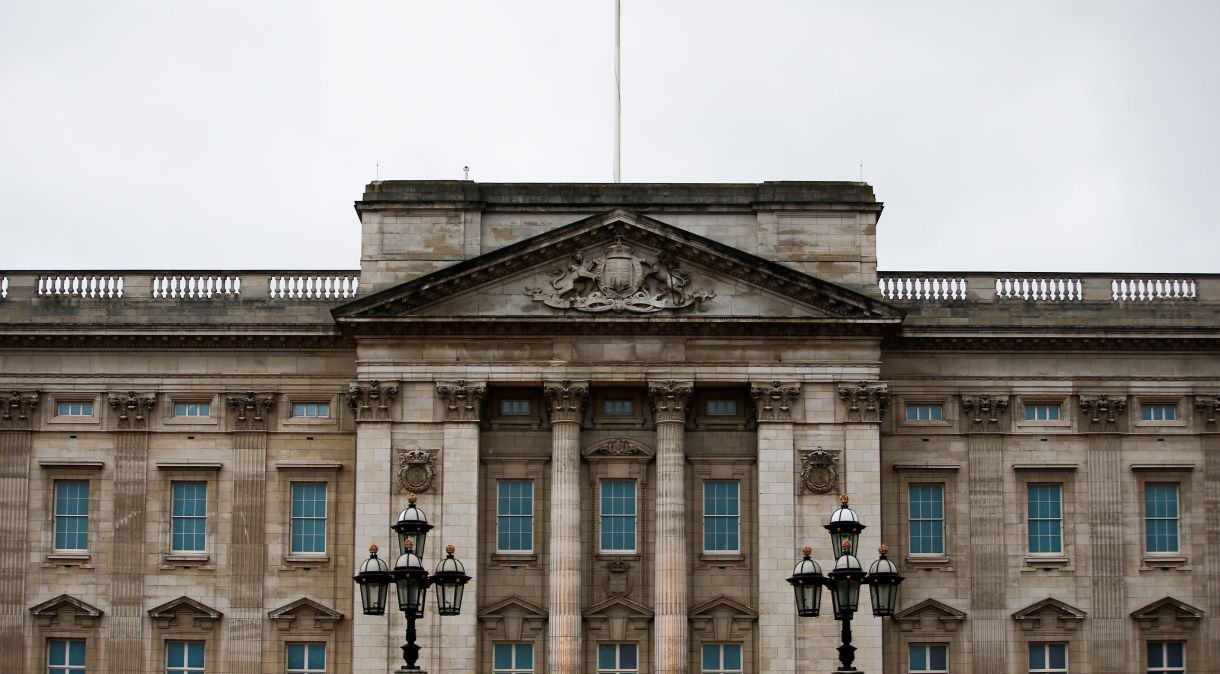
(181, 285)
(954, 287)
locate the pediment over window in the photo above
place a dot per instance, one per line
(1167, 614)
(617, 617)
(184, 612)
(515, 616)
(618, 272)
(618, 448)
(722, 619)
(65, 611)
(305, 614)
(929, 615)
(1049, 615)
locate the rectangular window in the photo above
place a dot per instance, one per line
(617, 659)
(190, 517)
(926, 518)
(513, 659)
(74, 409)
(72, 515)
(618, 407)
(306, 658)
(514, 516)
(925, 412)
(1158, 412)
(182, 657)
(1048, 659)
(65, 656)
(308, 517)
(192, 409)
(618, 516)
(1161, 517)
(722, 408)
(514, 408)
(1166, 657)
(721, 516)
(721, 659)
(311, 410)
(1042, 412)
(927, 658)
(1045, 518)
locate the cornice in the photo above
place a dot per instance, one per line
(106, 338)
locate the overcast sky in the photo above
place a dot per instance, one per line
(1028, 135)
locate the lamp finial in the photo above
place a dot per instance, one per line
(846, 545)
(411, 499)
(408, 544)
(806, 551)
(450, 549)
(883, 549)
(373, 549)
(843, 500)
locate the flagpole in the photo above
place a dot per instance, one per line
(618, 100)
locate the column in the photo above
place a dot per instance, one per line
(458, 642)
(565, 401)
(776, 525)
(670, 631)
(16, 415)
(1108, 625)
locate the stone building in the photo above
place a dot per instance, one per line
(628, 407)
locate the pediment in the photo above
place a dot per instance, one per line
(185, 612)
(304, 613)
(622, 268)
(618, 448)
(932, 608)
(1167, 614)
(720, 606)
(618, 607)
(63, 609)
(513, 605)
(1049, 614)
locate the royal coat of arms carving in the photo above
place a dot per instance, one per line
(819, 471)
(416, 469)
(619, 282)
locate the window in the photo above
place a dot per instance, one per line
(1048, 659)
(927, 658)
(513, 659)
(926, 519)
(182, 657)
(311, 410)
(190, 517)
(925, 412)
(618, 407)
(618, 516)
(71, 515)
(1166, 657)
(65, 656)
(192, 409)
(1045, 519)
(1042, 411)
(721, 516)
(1161, 517)
(1159, 412)
(306, 658)
(721, 659)
(308, 517)
(514, 516)
(514, 408)
(74, 409)
(722, 408)
(617, 658)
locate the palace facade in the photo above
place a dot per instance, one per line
(628, 406)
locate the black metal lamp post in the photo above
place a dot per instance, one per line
(411, 580)
(844, 581)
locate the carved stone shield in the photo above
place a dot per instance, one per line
(619, 274)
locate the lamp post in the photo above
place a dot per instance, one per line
(844, 581)
(411, 580)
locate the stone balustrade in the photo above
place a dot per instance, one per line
(213, 286)
(966, 287)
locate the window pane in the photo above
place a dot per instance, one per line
(618, 515)
(606, 656)
(927, 512)
(515, 515)
(917, 655)
(721, 516)
(503, 656)
(1044, 516)
(939, 656)
(721, 408)
(1174, 654)
(296, 656)
(308, 517)
(317, 657)
(1058, 656)
(627, 656)
(711, 656)
(194, 654)
(71, 515)
(525, 656)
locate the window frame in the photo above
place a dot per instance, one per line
(182, 408)
(1030, 519)
(87, 516)
(944, 474)
(53, 417)
(304, 405)
(185, 668)
(1152, 474)
(704, 669)
(498, 515)
(1179, 421)
(1064, 422)
(602, 516)
(618, 668)
(66, 667)
(175, 518)
(911, 519)
(307, 645)
(1046, 647)
(597, 408)
(927, 647)
(735, 519)
(1165, 668)
(513, 668)
(324, 518)
(1148, 485)
(917, 405)
(288, 473)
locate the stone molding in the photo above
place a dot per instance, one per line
(865, 402)
(51, 612)
(1167, 614)
(819, 471)
(516, 616)
(920, 617)
(323, 617)
(985, 411)
(416, 469)
(722, 619)
(1049, 614)
(200, 615)
(249, 410)
(618, 448)
(566, 400)
(669, 400)
(370, 401)
(774, 401)
(1101, 412)
(17, 410)
(133, 409)
(463, 399)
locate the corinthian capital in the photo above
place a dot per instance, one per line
(371, 400)
(775, 400)
(669, 400)
(865, 401)
(16, 409)
(566, 400)
(133, 409)
(463, 399)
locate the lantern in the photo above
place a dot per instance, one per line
(844, 526)
(374, 581)
(845, 582)
(806, 581)
(412, 525)
(883, 581)
(449, 579)
(411, 578)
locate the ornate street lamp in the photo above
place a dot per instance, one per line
(411, 580)
(844, 581)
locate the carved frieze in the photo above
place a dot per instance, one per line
(416, 469)
(132, 409)
(669, 400)
(1209, 406)
(774, 401)
(617, 580)
(865, 401)
(463, 399)
(819, 471)
(17, 409)
(1102, 412)
(618, 448)
(370, 401)
(620, 282)
(249, 411)
(566, 400)
(985, 411)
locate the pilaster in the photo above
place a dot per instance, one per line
(1108, 624)
(1211, 517)
(16, 414)
(372, 646)
(669, 403)
(565, 402)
